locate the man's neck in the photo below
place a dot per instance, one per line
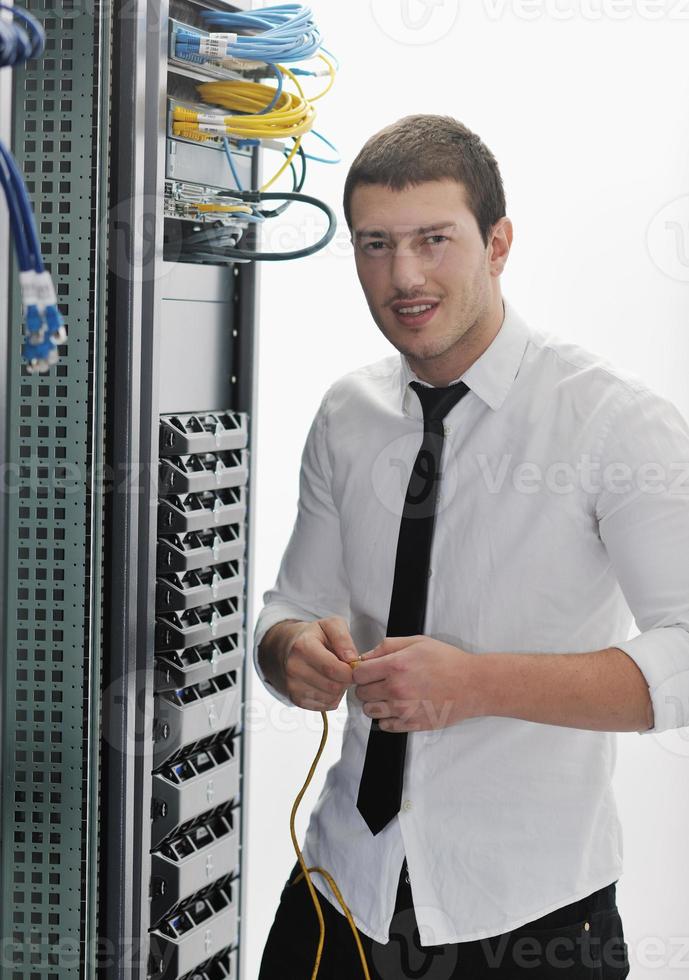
(470, 347)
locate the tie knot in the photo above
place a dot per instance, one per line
(437, 402)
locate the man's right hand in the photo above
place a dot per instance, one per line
(313, 662)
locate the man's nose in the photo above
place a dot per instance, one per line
(407, 271)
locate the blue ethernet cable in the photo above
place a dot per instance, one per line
(278, 92)
(21, 39)
(289, 33)
(310, 156)
(230, 160)
(44, 328)
(16, 225)
(21, 200)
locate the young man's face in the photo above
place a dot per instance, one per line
(421, 246)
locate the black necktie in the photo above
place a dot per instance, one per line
(380, 789)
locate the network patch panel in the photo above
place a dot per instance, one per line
(187, 792)
(203, 472)
(127, 569)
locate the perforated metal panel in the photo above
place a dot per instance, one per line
(51, 641)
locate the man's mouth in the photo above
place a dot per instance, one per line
(414, 314)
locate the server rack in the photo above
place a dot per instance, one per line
(127, 527)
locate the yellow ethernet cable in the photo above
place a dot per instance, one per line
(224, 207)
(331, 74)
(292, 116)
(306, 871)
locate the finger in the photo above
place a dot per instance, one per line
(306, 693)
(366, 672)
(317, 666)
(323, 659)
(391, 644)
(379, 710)
(315, 684)
(338, 638)
(376, 691)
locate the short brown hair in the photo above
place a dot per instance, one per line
(426, 147)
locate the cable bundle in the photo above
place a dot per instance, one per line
(214, 242)
(43, 327)
(258, 113)
(292, 115)
(283, 34)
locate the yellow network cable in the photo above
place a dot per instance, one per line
(331, 74)
(292, 116)
(295, 148)
(224, 207)
(305, 871)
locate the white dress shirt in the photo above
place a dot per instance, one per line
(563, 511)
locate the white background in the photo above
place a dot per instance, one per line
(584, 104)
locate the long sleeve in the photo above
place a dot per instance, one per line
(643, 515)
(311, 581)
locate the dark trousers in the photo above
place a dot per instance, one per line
(580, 940)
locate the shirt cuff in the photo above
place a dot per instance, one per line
(662, 656)
(270, 615)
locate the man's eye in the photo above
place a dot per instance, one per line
(369, 246)
(442, 238)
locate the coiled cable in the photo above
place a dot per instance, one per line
(214, 243)
(282, 33)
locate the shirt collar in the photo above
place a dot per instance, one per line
(492, 373)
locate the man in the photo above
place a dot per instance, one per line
(563, 507)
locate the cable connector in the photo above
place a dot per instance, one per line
(321, 73)
(216, 45)
(44, 329)
(209, 46)
(252, 197)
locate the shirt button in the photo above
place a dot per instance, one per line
(430, 572)
(447, 428)
(406, 805)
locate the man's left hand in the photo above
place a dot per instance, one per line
(416, 683)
